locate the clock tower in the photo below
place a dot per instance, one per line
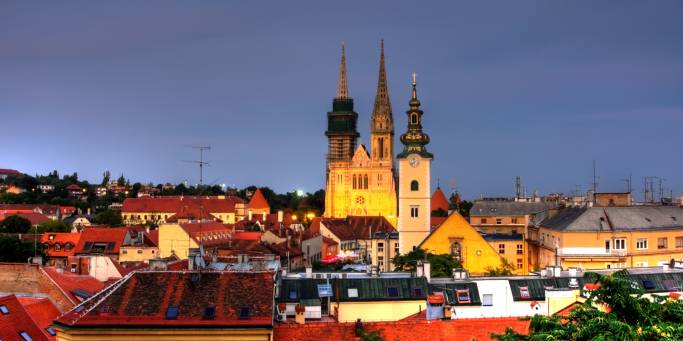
(414, 164)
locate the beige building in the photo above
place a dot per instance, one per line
(360, 182)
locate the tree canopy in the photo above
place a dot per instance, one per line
(15, 224)
(13, 249)
(441, 265)
(630, 316)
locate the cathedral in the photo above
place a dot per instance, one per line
(360, 182)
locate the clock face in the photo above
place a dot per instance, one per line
(414, 160)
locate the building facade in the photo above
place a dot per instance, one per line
(360, 181)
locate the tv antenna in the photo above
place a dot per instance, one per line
(200, 162)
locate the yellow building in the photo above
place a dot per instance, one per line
(138, 253)
(157, 210)
(360, 182)
(178, 239)
(457, 237)
(368, 299)
(612, 237)
(202, 306)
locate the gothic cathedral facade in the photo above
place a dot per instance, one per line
(360, 182)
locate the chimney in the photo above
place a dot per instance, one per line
(263, 215)
(250, 214)
(280, 216)
(309, 271)
(427, 268)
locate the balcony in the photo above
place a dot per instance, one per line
(589, 252)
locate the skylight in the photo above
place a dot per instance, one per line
(648, 284)
(209, 313)
(25, 336)
(292, 294)
(392, 291)
(245, 312)
(51, 331)
(3, 309)
(417, 291)
(671, 285)
(172, 313)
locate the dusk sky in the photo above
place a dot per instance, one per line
(536, 89)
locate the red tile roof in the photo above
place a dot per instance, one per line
(18, 320)
(173, 204)
(102, 235)
(415, 329)
(42, 312)
(143, 298)
(192, 213)
(357, 227)
(8, 171)
(70, 283)
(439, 200)
(258, 201)
(61, 238)
(33, 217)
(242, 235)
(212, 233)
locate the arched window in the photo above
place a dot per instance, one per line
(414, 185)
(365, 182)
(456, 251)
(413, 118)
(354, 181)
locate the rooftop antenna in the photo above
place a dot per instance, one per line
(200, 162)
(661, 189)
(628, 182)
(595, 182)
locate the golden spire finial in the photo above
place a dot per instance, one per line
(342, 88)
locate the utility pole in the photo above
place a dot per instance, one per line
(201, 161)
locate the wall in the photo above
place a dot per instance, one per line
(210, 334)
(25, 279)
(137, 253)
(511, 254)
(477, 254)
(413, 230)
(378, 311)
(102, 268)
(173, 238)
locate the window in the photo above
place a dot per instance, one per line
(662, 243)
(487, 300)
(3, 309)
(679, 242)
(353, 292)
(396, 249)
(456, 250)
(51, 331)
(417, 292)
(524, 292)
(648, 284)
(58, 247)
(245, 312)
(514, 220)
(51, 237)
(380, 247)
(520, 249)
(520, 263)
(413, 118)
(139, 251)
(607, 244)
(641, 244)
(414, 185)
(483, 220)
(671, 285)
(68, 246)
(209, 313)
(463, 296)
(25, 336)
(413, 211)
(392, 291)
(365, 182)
(124, 251)
(499, 221)
(501, 248)
(87, 246)
(620, 244)
(354, 181)
(292, 294)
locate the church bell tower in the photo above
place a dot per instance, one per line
(414, 171)
(382, 122)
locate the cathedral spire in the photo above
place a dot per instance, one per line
(382, 108)
(342, 87)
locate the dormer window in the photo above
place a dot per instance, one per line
(463, 296)
(524, 292)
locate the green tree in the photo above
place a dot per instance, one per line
(106, 177)
(464, 208)
(121, 180)
(12, 249)
(53, 226)
(631, 316)
(15, 224)
(505, 269)
(439, 213)
(441, 265)
(109, 218)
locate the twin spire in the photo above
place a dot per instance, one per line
(342, 88)
(382, 103)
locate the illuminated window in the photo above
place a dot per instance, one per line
(524, 292)
(353, 292)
